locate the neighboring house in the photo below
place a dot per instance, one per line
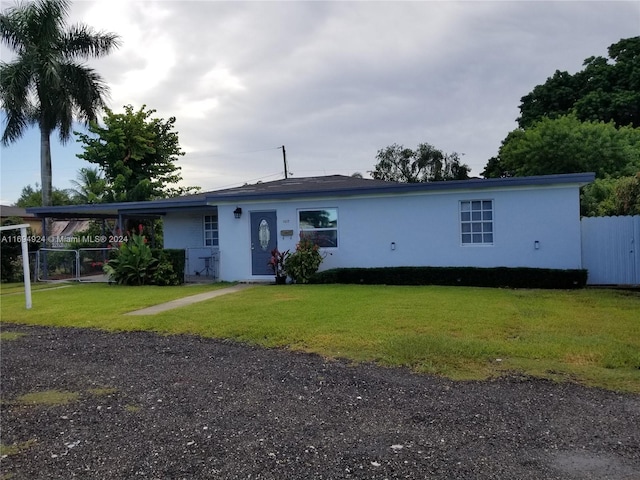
(34, 222)
(510, 222)
(59, 229)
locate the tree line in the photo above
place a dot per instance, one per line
(585, 122)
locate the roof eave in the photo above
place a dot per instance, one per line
(578, 179)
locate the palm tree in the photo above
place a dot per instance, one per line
(46, 84)
(89, 185)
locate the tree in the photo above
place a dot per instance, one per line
(90, 186)
(611, 196)
(567, 145)
(627, 195)
(494, 169)
(556, 97)
(137, 154)
(602, 91)
(426, 164)
(32, 197)
(46, 85)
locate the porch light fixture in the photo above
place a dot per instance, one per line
(237, 212)
(536, 245)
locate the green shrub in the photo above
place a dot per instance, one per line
(11, 251)
(175, 257)
(304, 262)
(9, 266)
(134, 263)
(164, 275)
(463, 276)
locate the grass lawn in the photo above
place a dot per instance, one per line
(588, 336)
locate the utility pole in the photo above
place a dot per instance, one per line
(284, 157)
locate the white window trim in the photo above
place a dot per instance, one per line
(493, 223)
(337, 229)
(204, 231)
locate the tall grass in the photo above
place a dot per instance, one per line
(590, 336)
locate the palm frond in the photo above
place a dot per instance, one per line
(86, 87)
(15, 125)
(11, 29)
(84, 42)
(15, 84)
(15, 99)
(47, 18)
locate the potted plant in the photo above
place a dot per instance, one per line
(277, 265)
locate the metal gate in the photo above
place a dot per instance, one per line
(84, 264)
(56, 264)
(610, 250)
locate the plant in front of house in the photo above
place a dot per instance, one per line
(276, 263)
(165, 273)
(134, 263)
(304, 262)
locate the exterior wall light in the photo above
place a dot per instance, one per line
(536, 245)
(393, 245)
(237, 212)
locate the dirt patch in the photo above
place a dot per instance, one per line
(193, 408)
(579, 464)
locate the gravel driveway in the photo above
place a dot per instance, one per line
(182, 407)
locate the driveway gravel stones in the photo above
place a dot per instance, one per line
(184, 407)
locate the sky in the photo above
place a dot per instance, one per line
(332, 81)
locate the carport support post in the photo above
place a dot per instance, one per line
(45, 269)
(119, 230)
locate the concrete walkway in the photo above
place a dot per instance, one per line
(181, 302)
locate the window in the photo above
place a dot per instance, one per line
(211, 230)
(320, 226)
(476, 222)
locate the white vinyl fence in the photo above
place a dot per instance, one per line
(611, 250)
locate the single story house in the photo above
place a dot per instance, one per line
(510, 222)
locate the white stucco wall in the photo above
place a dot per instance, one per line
(425, 229)
(186, 231)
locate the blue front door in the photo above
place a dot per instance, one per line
(263, 239)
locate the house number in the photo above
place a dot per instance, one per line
(264, 235)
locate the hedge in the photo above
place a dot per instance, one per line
(463, 276)
(175, 256)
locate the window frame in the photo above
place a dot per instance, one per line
(215, 239)
(301, 230)
(476, 226)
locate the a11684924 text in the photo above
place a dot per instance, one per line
(62, 239)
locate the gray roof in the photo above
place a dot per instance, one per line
(306, 187)
(11, 211)
(339, 185)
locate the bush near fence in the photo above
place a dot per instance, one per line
(463, 276)
(174, 256)
(169, 269)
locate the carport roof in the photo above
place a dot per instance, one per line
(325, 186)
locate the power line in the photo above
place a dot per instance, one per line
(200, 155)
